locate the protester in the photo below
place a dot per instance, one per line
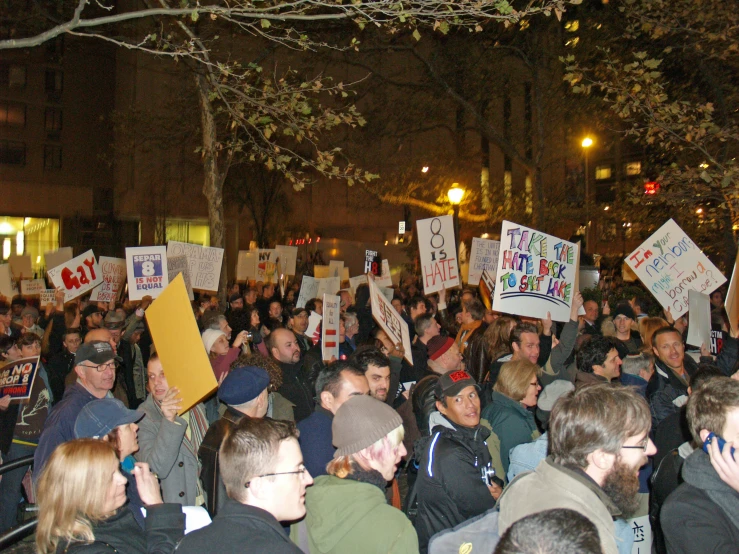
(265, 480)
(558, 531)
(592, 319)
(61, 364)
(346, 509)
(637, 370)
(336, 383)
(376, 367)
(470, 340)
(426, 328)
(598, 362)
(284, 348)
(627, 341)
(453, 481)
(299, 325)
(169, 443)
(81, 497)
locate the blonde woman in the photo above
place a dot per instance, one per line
(81, 497)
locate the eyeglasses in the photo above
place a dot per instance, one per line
(102, 367)
(299, 472)
(643, 445)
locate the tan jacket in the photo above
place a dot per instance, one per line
(553, 486)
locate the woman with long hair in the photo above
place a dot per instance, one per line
(81, 497)
(647, 327)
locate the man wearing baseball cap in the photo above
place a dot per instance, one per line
(455, 475)
(245, 393)
(95, 365)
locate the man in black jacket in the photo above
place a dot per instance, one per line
(453, 481)
(702, 514)
(265, 479)
(61, 364)
(284, 348)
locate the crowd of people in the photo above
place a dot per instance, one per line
(509, 433)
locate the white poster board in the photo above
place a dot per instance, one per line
(354, 282)
(288, 258)
(47, 296)
(177, 265)
(308, 290)
(246, 266)
(389, 319)
(335, 268)
(535, 273)
(20, 266)
(670, 264)
(699, 324)
(205, 263)
(439, 265)
(114, 277)
(147, 271)
(55, 258)
(77, 276)
(8, 287)
(483, 257)
(266, 266)
(384, 279)
(330, 327)
(32, 287)
(328, 285)
(312, 332)
(732, 298)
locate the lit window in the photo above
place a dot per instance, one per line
(633, 168)
(12, 114)
(602, 172)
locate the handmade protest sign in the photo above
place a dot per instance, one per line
(483, 257)
(205, 263)
(177, 340)
(372, 262)
(330, 327)
(308, 290)
(535, 273)
(384, 279)
(246, 266)
(114, 277)
(699, 324)
(177, 265)
(321, 271)
(335, 268)
(732, 299)
(8, 287)
(389, 319)
(266, 266)
(439, 269)
(288, 258)
(328, 285)
(77, 276)
(670, 264)
(55, 258)
(16, 378)
(313, 332)
(354, 282)
(147, 271)
(717, 342)
(20, 266)
(487, 288)
(46, 297)
(32, 287)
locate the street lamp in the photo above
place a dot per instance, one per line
(455, 195)
(587, 142)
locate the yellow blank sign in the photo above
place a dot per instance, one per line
(178, 343)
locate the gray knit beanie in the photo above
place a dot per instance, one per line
(360, 422)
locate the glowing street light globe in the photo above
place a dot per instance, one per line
(587, 142)
(455, 194)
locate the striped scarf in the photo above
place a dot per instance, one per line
(197, 426)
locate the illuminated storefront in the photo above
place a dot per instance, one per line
(29, 235)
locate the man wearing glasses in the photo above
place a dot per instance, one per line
(262, 469)
(598, 440)
(94, 364)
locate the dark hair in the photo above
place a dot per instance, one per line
(28, 339)
(594, 352)
(364, 356)
(519, 330)
(557, 531)
(71, 331)
(703, 374)
(267, 364)
(664, 331)
(311, 304)
(329, 378)
(414, 301)
(6, 343)
(642, 303)
(4, 307)
(475, 308)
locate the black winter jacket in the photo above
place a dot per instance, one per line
(450, 488)
(165, 526)
(210, 474)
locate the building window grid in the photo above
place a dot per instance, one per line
(12, 75)
(12, 152)
(12, 114)
(53, 120)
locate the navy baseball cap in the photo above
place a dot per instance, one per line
(243, 384)
(100, 417)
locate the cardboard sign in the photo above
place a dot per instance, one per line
(335, 268)
(670, 264)
(388, 293)
(487, 289)
(8, 287)
(439, 268)
(77, 276)
(114, 277)
(732, 299)
(354, 282)
(308, 291)
(179, 345)
(246, 266)
(32, 287)
(288, 258)
(58, 257)
(588, 278)
(330, 327)
(313, 332)
(321, 271)
(717, 342)
(328, 285)
(372, 262)
(483, 257)
(384, 279)
(47, 296)
(266, 266)
(205, 263)
(16, 378)
(389, 319)
(535, 274)
(178, 265)
(20, 266)
(147, 271)
(699, 325)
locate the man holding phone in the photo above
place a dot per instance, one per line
(702, 514)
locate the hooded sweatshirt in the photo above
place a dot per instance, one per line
(346, 515)
(702, 514)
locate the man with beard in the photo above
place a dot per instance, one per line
(376, 367)
(283, 347)
(299, 325)
(598, 440)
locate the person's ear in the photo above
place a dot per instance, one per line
(440, 407)
(602, 460)
(327, 400)
(704, 434)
